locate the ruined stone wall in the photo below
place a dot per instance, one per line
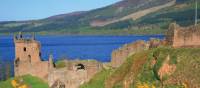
(92, 69)
(120, 55)
(39, 69)
(91, 66)
(28, 61)
(71, 76)
(183, 36)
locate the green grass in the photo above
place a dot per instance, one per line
(34, 82)
(98, 80)
(29, 80)
(187, 61)
(183, 58)
(182, 15)
(60, 64)
(6, 84)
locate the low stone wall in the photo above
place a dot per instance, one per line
(39, 69)
(71, 76)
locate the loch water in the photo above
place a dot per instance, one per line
(70, 47)
(73, 47)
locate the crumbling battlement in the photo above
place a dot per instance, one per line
(120, 55)
(183, 36)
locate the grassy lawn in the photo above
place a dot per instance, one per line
(31, 81)
(98, 80)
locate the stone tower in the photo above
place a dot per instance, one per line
(27, 49)
(28, 57)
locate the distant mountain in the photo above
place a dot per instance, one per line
(133, 15)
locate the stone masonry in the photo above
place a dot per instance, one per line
(28, 61)
(27, 58)
(183, 36)
(74, 74)
(120, 55)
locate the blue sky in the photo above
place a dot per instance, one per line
(36, 9)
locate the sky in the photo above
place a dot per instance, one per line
(15, 10)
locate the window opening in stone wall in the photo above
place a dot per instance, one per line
(29, 58)
(17, 62)
(80, 67)
(24, 49)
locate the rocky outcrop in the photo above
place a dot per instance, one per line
(166, 69)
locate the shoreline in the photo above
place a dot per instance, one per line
(11, 34)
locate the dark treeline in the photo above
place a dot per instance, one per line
(6, 70)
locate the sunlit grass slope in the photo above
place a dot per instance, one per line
(28, 80)
(139, 71)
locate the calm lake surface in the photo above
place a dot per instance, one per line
(73, 47)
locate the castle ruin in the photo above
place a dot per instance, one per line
(183, 36)
(176, 37)
(27, 58)
(76, 72)
(28, 61)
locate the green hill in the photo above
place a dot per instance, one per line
(119, 18)
(158, 22)
(139, 71)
